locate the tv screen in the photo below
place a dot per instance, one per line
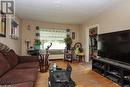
(115, 46)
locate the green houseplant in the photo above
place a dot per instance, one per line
(68, 42)
(37, 44)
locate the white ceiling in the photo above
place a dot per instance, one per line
(62, 11)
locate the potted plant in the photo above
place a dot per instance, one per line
(37, 44)
(68, 42)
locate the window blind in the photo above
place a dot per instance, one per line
(54, 36)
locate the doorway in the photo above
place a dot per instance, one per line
(93, 35)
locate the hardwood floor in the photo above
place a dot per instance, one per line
(81, 74)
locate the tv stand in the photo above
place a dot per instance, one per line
(115, 71)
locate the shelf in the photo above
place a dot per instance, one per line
(98, 67)
(112, 73)
(115, 71)
(126, 86)
(116, 80)
(127, 79)
(99, 72)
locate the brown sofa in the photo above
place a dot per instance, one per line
(20, 71)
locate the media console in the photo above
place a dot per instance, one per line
(113, 70)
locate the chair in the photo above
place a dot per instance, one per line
(78, 52)
(71, 55)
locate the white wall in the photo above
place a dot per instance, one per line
(30, 34)
(13, 44)
(114, 19)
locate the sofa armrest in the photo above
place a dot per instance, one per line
(24, 59)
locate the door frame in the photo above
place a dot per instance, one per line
(87, 40)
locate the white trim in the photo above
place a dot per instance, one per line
(95, 25)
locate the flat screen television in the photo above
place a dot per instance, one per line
(115, 46)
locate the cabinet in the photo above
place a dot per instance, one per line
(118, 72)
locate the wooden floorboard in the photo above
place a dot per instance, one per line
(81, 74)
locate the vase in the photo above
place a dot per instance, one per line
(37, 47)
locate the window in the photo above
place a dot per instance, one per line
(54, 36)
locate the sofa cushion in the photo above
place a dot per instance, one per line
(25, 84)
(27, 65)
(4, 65)
(4, 48)
(19, 76)
(11, 57)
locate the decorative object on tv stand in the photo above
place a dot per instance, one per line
(14, 29)
(2, 25)
(68, 42)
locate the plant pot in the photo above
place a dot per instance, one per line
(37, 47)
(68, 46)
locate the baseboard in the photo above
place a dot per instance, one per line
(55, 59)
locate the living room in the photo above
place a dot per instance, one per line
(50, 21)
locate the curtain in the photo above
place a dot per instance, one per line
(54, 36)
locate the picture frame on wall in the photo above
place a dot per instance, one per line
(14, 29)
(2, 25)
(73, 35)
